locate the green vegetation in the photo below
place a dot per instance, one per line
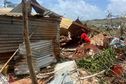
(99, 62)
(100, 24)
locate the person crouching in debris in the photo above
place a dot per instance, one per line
(85, 39)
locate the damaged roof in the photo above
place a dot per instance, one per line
(65, 23)
(5, 10)
(40, 10)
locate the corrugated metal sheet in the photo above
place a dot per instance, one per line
(42, 56)
(17, 11)
(37, 7)
(11, 14)
(7, 12)
(14, 14)
(65, 23)
(11, 31)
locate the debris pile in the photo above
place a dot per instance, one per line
(70, 31)
(71, 75)
(59, 57)
(100, 40)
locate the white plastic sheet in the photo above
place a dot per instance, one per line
(3, 79)
(63, 73)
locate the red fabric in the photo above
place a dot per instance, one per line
(85, 37)
(117, 70)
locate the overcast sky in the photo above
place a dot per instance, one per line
(84, 9)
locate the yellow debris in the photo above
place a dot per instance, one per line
(65, 23)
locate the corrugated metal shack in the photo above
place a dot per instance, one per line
(42, 26)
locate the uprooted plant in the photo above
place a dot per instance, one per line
(101, 61)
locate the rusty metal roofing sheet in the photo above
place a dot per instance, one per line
(11, 14)
(42, 55)
(11, 31)
(17, 11)
(5, 10)
(14, 14)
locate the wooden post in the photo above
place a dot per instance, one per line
(121, 28)
(27, 42)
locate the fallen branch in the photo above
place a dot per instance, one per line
(82, 78)
(44, 75)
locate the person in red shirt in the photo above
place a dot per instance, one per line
(85, 38)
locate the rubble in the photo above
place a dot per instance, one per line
(86, 50)
(70, 75)
(85, 63)
(70, 31)
(117, 43)
(65, 39)
(82, 51)
(117, 70)
(23, 81)
(100, 40)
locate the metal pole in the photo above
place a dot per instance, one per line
(27, 42)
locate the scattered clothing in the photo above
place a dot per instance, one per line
(85, 38)
(117, 43)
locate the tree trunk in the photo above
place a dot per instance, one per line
(27, 42)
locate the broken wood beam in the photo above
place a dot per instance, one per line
(69, 50)
(87, 77)
(82, 26)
